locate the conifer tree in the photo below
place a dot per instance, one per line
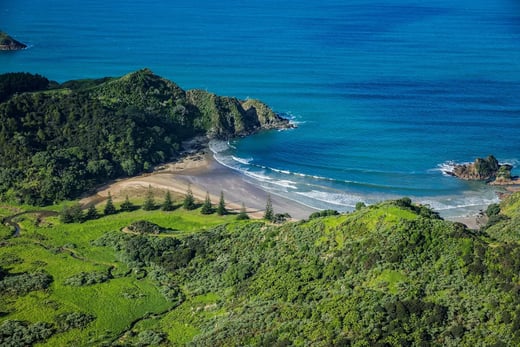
(207, 208)
(269, 212)
(127, 206)
(221, 208)
(92, 213)
(149, 202)
(242, 215)
(189, 200)
(167, 204)
(109, 207)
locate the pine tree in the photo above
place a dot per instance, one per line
(92, 213)
(242, 215)
(221, 208)
(189, 200)
(109, 207)
(207, 208)
(167, 204)
(127, 206)
(149, 202)
(269, 213)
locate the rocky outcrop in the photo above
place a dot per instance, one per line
(488, 169)
(7, 43)
(225, 117)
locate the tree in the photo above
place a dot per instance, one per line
(109, 207)
(149, 202)
(167, 204)
(66, 216)
(360, 205)
(92, 213)
(189, 200)
(242, 215)
(127, 206)
(221, 208)
(269, 212)
(207, 208)
(72, 214)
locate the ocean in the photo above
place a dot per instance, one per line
(385, 94)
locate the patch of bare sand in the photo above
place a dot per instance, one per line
(201, 173)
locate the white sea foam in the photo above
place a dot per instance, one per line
(257, 176)
(217, 146)
(244, 161)
(344, 200)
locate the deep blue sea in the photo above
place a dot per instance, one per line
(384, 93)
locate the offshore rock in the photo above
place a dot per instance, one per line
(488, 169)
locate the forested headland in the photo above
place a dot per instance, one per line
(60, 140)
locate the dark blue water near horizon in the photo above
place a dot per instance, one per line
(385, 93)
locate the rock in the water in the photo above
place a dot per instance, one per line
(7, 43)
(487, 169)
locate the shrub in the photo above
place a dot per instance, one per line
(73, 320)
(24, 283)
(21, 333)
(87, 278)
(493, 210)
(151, 338)
(323, 213)
(145, 227)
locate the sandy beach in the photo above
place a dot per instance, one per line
(202, 174)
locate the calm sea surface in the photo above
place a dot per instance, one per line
(385, 93)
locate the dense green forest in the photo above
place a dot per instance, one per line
(57, 141)
(391, 274)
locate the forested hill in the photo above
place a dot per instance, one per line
(56, 141)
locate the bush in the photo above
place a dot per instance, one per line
(87, 278)
(145, 227)
(493, 210)
(404, 202)
(72, 214)
(360, 205)
(21, 333)
(73, 320)
(24, 283)
(323, 213)
(151, 338)
(281, 217)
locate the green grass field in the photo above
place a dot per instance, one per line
(66, 250)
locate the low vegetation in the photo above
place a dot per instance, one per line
(390, 274)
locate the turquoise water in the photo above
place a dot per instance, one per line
(385, 93)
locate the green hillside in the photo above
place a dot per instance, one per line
(58, 141)
(392, 274)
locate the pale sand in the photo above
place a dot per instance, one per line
(202, 174)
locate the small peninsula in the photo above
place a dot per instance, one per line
(78, 134)
(7, 43)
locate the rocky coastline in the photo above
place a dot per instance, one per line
(486, 169)
(7, 43)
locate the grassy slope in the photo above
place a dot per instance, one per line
(383, 274)
(48, 247)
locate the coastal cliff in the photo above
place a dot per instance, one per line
(7, 43)
(485, 169)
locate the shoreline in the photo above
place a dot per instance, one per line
(199, 171)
